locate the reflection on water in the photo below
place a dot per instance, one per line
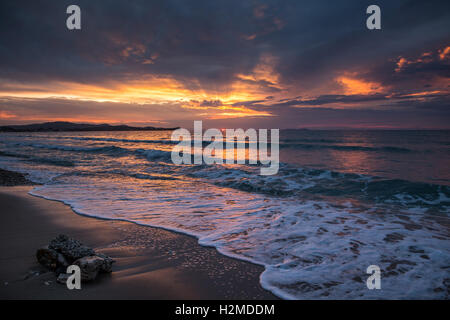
(410, 155)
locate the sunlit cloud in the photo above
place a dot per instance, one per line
(6, 115)
(444, 53)
(353, 86)
(423, 59)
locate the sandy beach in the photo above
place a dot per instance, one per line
(151, 263)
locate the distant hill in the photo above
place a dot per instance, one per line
(69, 126)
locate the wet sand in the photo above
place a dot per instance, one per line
(151, 263)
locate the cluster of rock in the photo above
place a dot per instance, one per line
(64, 251)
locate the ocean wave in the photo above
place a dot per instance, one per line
(120, 140)
(344, 147)
(153, 154)
(108, 150)
(54, 162)
(314, 184)
(50, 161)
(290, 180)
(293, 180)
(313, 140)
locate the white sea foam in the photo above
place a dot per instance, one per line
(310, 249)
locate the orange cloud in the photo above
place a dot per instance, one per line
(357, 86)
(257, 84)
(421, 94)
(261, 81)
(444, 53)
(249, 37)
(140, 91)
(6, 115)
(151, 90)
(425, 57)
(400, 64)
(220, 110)
(241, 114)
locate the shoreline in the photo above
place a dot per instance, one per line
(152, 262)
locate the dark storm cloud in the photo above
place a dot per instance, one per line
(413, 71)
(433, 116)
(332, 98)
(206, 43)
(190, 40)
(427, 110)
(211, 103)
(441, 100)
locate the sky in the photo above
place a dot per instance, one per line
(245, 63)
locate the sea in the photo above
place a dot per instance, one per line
(342, 200)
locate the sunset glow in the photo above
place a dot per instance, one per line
(259, 70)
